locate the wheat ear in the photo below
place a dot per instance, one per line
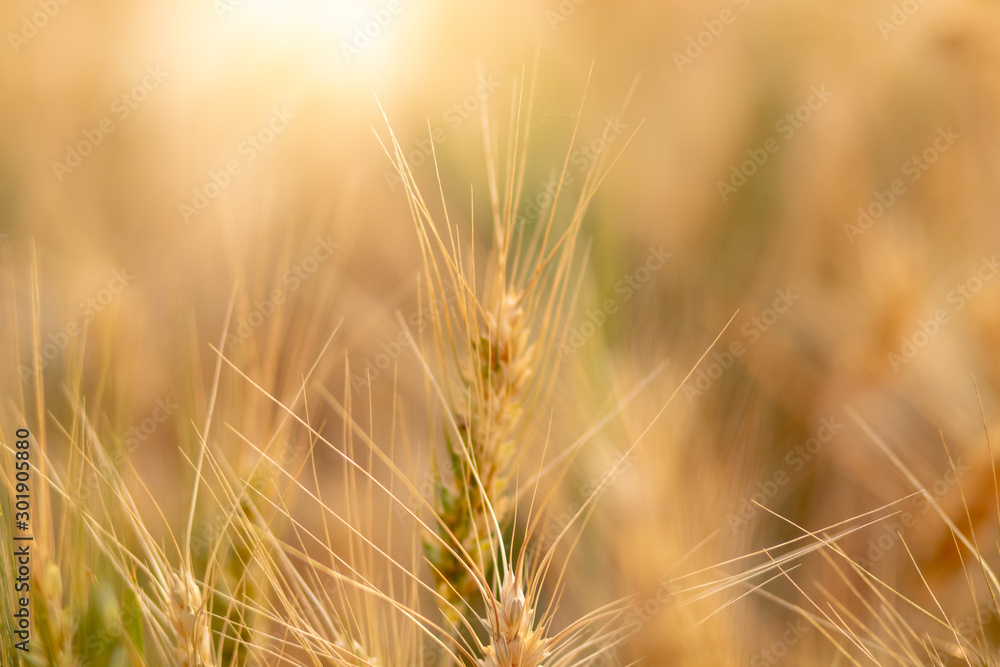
(190, 621)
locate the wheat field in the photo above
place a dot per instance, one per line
(412, 333)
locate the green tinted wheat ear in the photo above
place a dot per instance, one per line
(497, 351)
(494, 383)
(496, 345)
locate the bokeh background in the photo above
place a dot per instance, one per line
(217, 151)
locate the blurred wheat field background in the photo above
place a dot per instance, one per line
(559, 333)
